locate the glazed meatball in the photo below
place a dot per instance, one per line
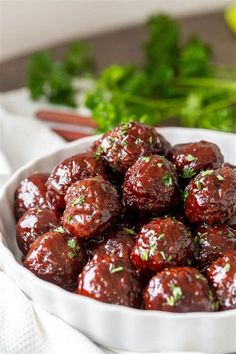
(31, 193)
(93, 208)
(211, 197)
(181, 289)
(118, 245)
(222, 277)
(162, 243)
(123, 145)
(113, 281)
(33, 223)
(212, 241)
(69, 171)
(150, 186)
(57, 258)
(192, 158)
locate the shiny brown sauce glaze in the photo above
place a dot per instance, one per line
(116, 225)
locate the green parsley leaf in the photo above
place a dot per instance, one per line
(60, 230)
(200, 277)
(160, 237)
(227, 267)
(144, 255)
(220, 178)
(167, 179)
(73, 244)
(115, 269)
(176, 295)
(199, 185)
(79, 200)
(99, 151)
(129, 231)
(186, 193)
(206, 173)
(160, 164)
(166, 258)
(191, 158)
(71, 254)
(69, 218)
(215, 305)
(146, 158)
(188, 172)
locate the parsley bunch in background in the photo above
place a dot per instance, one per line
(176, 80)
(53, 80)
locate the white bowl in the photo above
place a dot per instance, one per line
(111, 325)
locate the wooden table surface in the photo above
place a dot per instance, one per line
(124, 46)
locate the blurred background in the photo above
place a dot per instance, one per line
(115, 32)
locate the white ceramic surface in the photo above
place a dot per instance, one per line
(110, 325)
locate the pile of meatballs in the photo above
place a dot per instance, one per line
(135, 222)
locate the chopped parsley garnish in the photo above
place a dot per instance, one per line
(129, 231)
(199, 184)
(124, 129)
(191, 158)
(200, 277)
(227, 268)
(38, 211)
(146, 158)
(188, 172)
(167, 180)
(176, 295)
(144, 255)
(69, 218)
(72, 243)
(116, 269)
(60, 229)
(124, 143)
(206, 173)
(78, 200)
(189, 262)
(220, 178)
(199, 238)
(99, 151)
(186, 193)
(153, 244)
(215, 305)
(160, 164)
(166, 258)
(160, 237)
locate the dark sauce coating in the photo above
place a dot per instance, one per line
(211, 196)
(110, 280)
(192, 158)
(57, 258)
(31, 193)
(118, 245)
(222, 277)
(123, 145)
(69, 171)
(151, 186)
(212, 241)
(33, 223)
(231, 222)
(93, 208)
(181, 289)
(163, 242)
